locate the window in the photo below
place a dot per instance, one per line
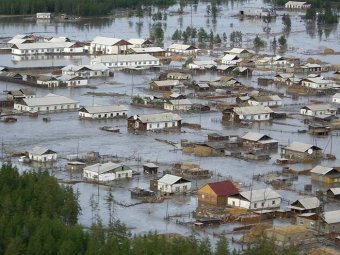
(312, 224)
(255, 205)
(233, 203)
(150, 125)
(185, 187)
(262, 204)
(158, 125)
(177, 189)
(301, 221)
(273, 202)
(126, 175)
(166, 125)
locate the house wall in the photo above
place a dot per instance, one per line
(75, 83)
(122, 64)
(49, 84)
(108, 49)
(301, 155)
(267, 103)
(254, 117)
(174, 107)
(110, 176)
(57, 50)
(307, 223)
(175, 188)
(314, 85)
(330, 228)
(103, 115)
(336, 100)
(183, 52)
(207, 196)
(46, 108)
(163, 125)
(269, 203)
(42, 158)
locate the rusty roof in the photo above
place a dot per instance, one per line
(224, 188)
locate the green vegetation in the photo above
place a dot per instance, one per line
(74, 7)
(236, 39)
(39, 217)
(258, 43)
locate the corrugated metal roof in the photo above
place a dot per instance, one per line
(104, 109)
(309, 202)
(332, 217)
(230, 57)
(335, 191)
(138, 41)
(177, 46)
(124, 58)
(49, 99)
(237, 51)
(301, 147)
(260, 195)
(319, 107)
(169, 179)
(159, 117)
(95, 67)
(107, 40)
(251, 110)
(180, 102)
(253, 136)
(44, 45)
(103, 168)
(321, 170)
(166, 83)
(224, 188)
(39, 150)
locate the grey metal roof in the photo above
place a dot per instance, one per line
(166, 83)
(148, 49)
(49, 99)
(301, 147)
(319, 107)
(253, 136)
(40, 150)
(102, 168)
(95, 67)
(159, 117)
(251, 110)
(124, 58)
(104, 109)
(335, 191)
(180, 102)
(44, 45)
(107, 40)
(332, 217)
(309, 202)
(169, 179)
(181, 46)
(321, 170)
(260, 195)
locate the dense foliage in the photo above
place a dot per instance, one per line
(74, 7)
(38, 216)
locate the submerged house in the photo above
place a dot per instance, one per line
(164, 85)
(305, 205)
(240, 52)
(248, 113)
(271, 100)
(173, 184)
(318, 110)
(301, 152)
(86, 71)
(107, 45)
(184, 49)
(178, 105)
(127, 61)
(258, 12)
(317, 83)
(41, 154)
(297, 5)
(256, 199)
(331, 222)
(73, 81)
(290, 235)
(48, 81)
(156, 121)
(106, 172)
(254, 140)
(216, 193)
(47, 48)
(329, 175)
(103, 112)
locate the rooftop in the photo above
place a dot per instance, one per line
(301, 147)
(224, 188)
(49, 99)
(260, 194)
(250, 110)
(159, 117)
(103, 109)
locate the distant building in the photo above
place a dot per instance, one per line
(331, 222)
(179, 76)
(254, 141)
(308, 220)
(178, 105)
(103, 112)
(297, 5)
(336, 98)
(48, 103)
(311, 68)
(183, 49)
(41, 154)
(256, 199)
(202, 64)
(47, 48)
(156, 121)
(290, 235)
(230, 59)
(334, 193)
(73, 81)
(157, 52)
(87, 71)
(21, 93)
(305, 205)
(107, 172)
(258, 12)
(319, 83)
(164, 85)
(248, 113)
(107, 45)
(216, 193)
(140, 43)
(127, 61)
(329, 175)
(48, 81)
(150, 168)
(301, 152)
(44, 15)
(271, 101)
(241, 53)
(318, 110)
(173, 184)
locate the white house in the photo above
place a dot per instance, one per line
(73, 81)
(86, 71)
(230, 59)
(103, 111)
(107, 45)
(317, 83)
(336, 98)
(173, 184)
(156, 121)
(257, 12)
(297, 5)
(47, 48)
(139, 43)
(282, 77)
(271, 101)
(241, 53)
(318, 110)
(48, 81)
(249, 113)
(126, 61)
(184, 49)
(41, 154)
(48, 103)
(107, 172)
(178, 105)
(202, 64)
(44, 15)
(256, 199)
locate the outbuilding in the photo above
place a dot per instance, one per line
(173, 184)
(103, 112)
(107, 172)
(41, 154)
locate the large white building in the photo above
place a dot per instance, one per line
(47, 48)
(107, 45)
(41, 154)
(173, 184)
(126, 61)
(156, 121)
(103, 112)
(248, 113)
(256, 199)
(107, 172)
(318, 110)
(48, 103)
(86, 71)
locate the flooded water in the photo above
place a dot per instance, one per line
(65, 131)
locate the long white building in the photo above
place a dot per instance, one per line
(47, 48)
(130, 60)
(48, 103)
(107, 172)
(103, 112)
(86, 71)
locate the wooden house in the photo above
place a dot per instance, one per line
(48, 81)
(43, 48)
(329, 175)
(301, 152)
(311, 68)
(271, 101)
(247, 113)
(150, 168)
(331, 222)
(86, 71)
(41, 154)
(241, 53)
(178, 76)
(216, 193)
(290, 235)
(178, 105)
(308, 220)
(333, 193)
(165, 85)
(139, 43)
(305, 205)
(319, 83)
(73, 81)
(106, 172)
(183, 49)
(254, 141)
(318, 110)
(156, 121)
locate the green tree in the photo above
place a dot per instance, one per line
(274, 45)
(222, 246)
(258, 43)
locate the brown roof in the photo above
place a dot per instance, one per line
(224, 188)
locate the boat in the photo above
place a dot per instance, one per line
(110, 129)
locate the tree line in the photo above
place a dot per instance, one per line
(74, 7)
(38, 216)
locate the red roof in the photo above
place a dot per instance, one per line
(224, 188)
